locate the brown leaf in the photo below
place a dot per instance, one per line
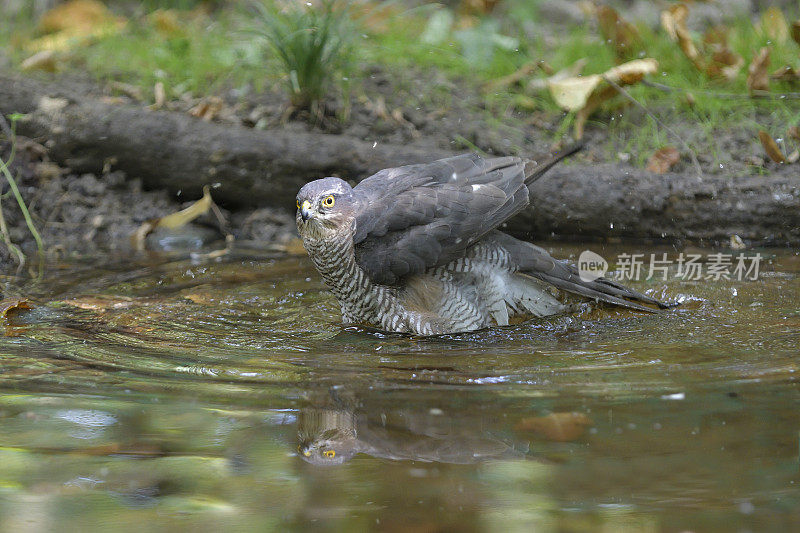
(673, 20)
(757, 75)
(74, 22)
(44, 60)
(796, 31)
(663, 160)
(559, 427)
(208, 108)
(794, 132)
(787, 73)
(13, 306)
(771, 147)
(774, 25)
(673, 17)
(725, 63)
(173, 220)
(619, 32)
(584, 94)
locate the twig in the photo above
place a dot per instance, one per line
(757, 95)
(9, 132)
(633, 100)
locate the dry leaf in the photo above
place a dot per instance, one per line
(208, 108)
(619, 32)
(787, 73)
(725, 63)
(757, 75)
(174, 220)
(559, 427)
(73, 23)
(673, 17)
(796, 31)
(44, 60)
(774, 25)
(771, 147)
(159, 95)
(794, 157)
(794, 132)
(571, 71)
(586, 93)
(673, 20)
(13, 306)
(663, 160)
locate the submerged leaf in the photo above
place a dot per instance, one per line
(13, 306)
(771, 147)
(559, 427)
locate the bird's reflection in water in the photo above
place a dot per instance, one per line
(336, 426)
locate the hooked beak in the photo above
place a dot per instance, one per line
(305, 210)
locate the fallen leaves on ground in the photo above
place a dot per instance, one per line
(787, 73)
(584, 94)
(663, 160)
(73, 23)
(794, 132)
(771, 147)
(622, 35)
(44, 60)
(208, 108)
(717, 60)
(757, 75)
(559, 427)
(673, 20)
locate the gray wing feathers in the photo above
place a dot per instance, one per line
(536, 262)
(419, 216)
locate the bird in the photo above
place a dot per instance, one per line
(416, 249)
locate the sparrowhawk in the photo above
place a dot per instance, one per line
(415, 248)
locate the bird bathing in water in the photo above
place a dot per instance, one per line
(416, 249)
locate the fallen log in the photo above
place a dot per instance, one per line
(177, 152)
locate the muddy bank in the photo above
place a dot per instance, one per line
(108, 165)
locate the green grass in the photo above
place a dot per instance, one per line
(313, 45)
(212, 53)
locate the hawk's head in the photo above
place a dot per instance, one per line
(324, 208)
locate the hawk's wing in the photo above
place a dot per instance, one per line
(415, 217)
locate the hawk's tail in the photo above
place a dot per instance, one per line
(535, 262)
(535, 169)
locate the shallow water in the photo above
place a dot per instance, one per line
(171, 393)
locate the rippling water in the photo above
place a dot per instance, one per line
(223, 394)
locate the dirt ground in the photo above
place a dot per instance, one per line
(88, 214)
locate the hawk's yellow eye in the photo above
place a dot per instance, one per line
(328, 201)
(330, 454)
